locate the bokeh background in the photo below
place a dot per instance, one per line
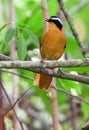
(34, 109)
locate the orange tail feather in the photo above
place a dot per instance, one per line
(43, 81)
(36, 79)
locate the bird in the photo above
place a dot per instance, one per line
(52, 47)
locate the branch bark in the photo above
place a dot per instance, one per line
(63, 75)
(5, 58)
(44, 64)
(69, 20)
(66, 93)
(20, 123)
(40, 67)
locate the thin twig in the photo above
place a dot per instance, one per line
(69, 20)
(5, 58)
(80, 99)
(69, 76)
(18, 99)
(79, 6)
(20, 75)
(11, 106)
(57, 89)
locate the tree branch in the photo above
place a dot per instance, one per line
(44, 64)
(56, 88)
(69, 20)
(20, 75)
(70, 95)
(20, 123)
(5, 58)
(40, 67)
(63, 75)
(13, 105)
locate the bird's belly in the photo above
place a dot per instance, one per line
(52, 52)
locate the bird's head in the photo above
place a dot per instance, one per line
(56, 20)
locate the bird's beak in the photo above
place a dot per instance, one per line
(46, 19)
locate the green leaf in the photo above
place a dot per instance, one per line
(10, 34)
(21, 47)
(32, 36)
(1, 28)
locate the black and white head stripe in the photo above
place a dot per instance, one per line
(56, 20)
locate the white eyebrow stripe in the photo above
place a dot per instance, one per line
(58, 20)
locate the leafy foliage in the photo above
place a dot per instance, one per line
(1, 28)
(21, 47)
(27, 33)
(9, 34)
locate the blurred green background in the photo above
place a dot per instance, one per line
(28, 15)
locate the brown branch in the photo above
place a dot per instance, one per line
(11, 106)
(5, 58)
(69, 20)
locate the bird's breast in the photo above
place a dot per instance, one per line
(52, 45)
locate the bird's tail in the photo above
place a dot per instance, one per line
(43, 81)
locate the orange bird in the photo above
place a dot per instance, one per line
(52, 47)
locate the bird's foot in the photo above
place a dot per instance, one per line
(42, 65)
(59, 71)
